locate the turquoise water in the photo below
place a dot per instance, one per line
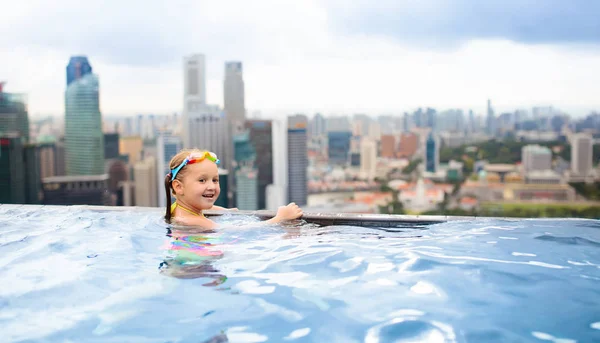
(75, 275)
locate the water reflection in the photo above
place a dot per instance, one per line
(191, 254)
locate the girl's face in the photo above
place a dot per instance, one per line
(199, 187)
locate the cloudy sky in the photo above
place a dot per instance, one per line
(332, 56)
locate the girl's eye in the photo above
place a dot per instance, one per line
(216, 180)
(202, 180)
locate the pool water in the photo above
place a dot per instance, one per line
(69, 274)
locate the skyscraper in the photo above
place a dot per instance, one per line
(194, 87)
(78, 67)
(581, 154)
(12, 178)
(432, 153)
(233, 92)
(339, 147)
(33, 181)
(277, 192)
(247, 188)
(206, 128)
(490, 119)
(48, 159)
(84, 140)
(388, 146)
(167, 146)
(111, 145)
(13, 114)
(317, 125)
(223, 200)
(297, 159)
(261, 138)
(368, 158)
(144, 175)
(246, 174)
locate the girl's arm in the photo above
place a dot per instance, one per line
(289, 212)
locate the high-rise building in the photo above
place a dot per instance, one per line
(223, 200)
(297, 159)
(317, 126)
(19, 171)
(409, 144)
(233, 92)
(33, 181)
(490, 119)
(13, 114)
(360, 125)
(582, 154)
(76, 190)
(235, 113)
(247, 188)
(246, 174)
(368, 158)
(406, 123)
(261, 138)
(432, 153)
(84, 140)
(111, 145)
(386, 125)
(78, 67)
(277, 192)
(339, 124)
(61, 163)
(194, 86)
(536, 158)
(144, 176)
(374, 131)
(12, 176)
(472, 124)
(117, 174)
(131, 147)
(206, 128)
(388, 146)
(339, 146)
(48, 163)
(167, 146)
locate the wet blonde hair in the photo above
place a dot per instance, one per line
(174, 163)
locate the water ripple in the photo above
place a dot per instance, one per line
(410, 329)
(70, 274)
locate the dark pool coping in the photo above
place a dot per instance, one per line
(352, 219)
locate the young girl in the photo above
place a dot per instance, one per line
(194, 181)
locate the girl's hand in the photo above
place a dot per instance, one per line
(289, 212)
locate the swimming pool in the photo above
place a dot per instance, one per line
(71, 274)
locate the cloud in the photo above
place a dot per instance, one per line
(444, 23)
(159, 33)
(329, 56)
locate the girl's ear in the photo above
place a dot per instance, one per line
(177, 187)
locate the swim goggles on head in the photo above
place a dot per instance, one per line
(193, 158)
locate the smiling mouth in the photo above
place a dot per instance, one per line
(209, 196)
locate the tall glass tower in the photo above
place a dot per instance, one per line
(78, 67)
(84, 141)
(13, 115)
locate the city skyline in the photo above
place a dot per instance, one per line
(312, 56)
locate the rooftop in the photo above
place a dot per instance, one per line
(75, 178)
